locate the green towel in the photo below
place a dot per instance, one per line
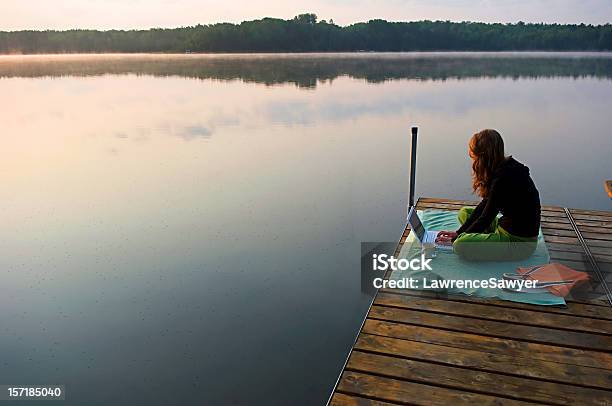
(446, 265)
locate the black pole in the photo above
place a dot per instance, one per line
(413, 164)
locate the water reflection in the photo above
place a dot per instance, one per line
(306, 70)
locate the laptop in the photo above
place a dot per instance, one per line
(421, 233)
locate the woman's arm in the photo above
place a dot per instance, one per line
(491, 207)
(475, 214)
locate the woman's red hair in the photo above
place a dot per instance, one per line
(487, 151)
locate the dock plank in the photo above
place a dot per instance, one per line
(577, 309)
(493, 384)
(375, 386)
(492, 328)
(493, 345)
(591, 217)
(513, 316)
(341, 399)
(498, 363)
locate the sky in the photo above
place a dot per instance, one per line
(126, 14)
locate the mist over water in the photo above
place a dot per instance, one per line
(186, 229)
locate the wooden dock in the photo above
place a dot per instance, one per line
(419, 347)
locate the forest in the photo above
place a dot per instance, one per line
(304, 33)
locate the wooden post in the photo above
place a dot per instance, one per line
(415, 130)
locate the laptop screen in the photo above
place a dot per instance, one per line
(415, 224)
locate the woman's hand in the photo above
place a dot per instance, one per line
(445, 237)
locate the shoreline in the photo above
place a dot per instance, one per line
(505, 53)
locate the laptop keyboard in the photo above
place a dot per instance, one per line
(429, 237)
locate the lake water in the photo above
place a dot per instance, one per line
(186, 229)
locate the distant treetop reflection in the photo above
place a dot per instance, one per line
(306, 70)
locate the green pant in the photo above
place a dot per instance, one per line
(495, 245)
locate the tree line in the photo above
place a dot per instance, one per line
(305, 34)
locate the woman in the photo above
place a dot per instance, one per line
(505, 187)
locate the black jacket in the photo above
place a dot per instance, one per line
(514, 195)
